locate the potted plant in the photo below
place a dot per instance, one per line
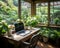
(45, 34)
(11, 30)
(31, 21)
(45, 39)
(54, 35)
(3, 27)
(58, 38)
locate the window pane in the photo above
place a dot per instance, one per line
(25, 9)
(8, 10)
(55, 13)
(42, 12)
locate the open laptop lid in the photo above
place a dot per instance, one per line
(19, 26)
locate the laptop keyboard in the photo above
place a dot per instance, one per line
(23, 32)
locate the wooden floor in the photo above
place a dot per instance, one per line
(46, 45)
(40, 44)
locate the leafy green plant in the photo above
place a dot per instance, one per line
(56, 20)
(53, 35)
(0, 18)
(57, 32)
(3, 28)
(8, 11)
(31, 21)
(45, 32)
(50, 33)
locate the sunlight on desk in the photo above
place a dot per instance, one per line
(19, 37)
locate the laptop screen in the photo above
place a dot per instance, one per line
(19, 26)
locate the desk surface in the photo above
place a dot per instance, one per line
(16, 37)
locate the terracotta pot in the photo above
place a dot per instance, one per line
(45, 39)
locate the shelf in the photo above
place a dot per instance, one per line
(53, 26)
(41, 25)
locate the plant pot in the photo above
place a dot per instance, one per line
(45, 39)
(40, 38)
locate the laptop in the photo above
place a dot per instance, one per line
(19, 28)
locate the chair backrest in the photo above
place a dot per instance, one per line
(34, 40)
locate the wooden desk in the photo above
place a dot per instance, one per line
(16, 39)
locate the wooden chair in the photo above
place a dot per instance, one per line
(32, 43)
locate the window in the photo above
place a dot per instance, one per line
(25, 9)
(55, 13)
(42, 12)
(9, 10)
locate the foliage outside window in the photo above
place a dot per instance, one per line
(55, 13)
(42, 12)
(8, 11)
(25, 10)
